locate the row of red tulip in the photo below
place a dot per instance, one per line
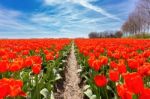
(25, 61)
(116, 67)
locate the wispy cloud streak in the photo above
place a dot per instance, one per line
(70, 18)
(95, 8)
(86, 4)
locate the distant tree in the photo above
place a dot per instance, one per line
(139, 20)
(93, 35)
(105, 34)
(118, 34)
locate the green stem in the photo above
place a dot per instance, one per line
(114, 85)
(37, 88)
(106, 92)
(99, 93)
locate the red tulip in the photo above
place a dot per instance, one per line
(49, 57)
(113, 64)
(36, 68)
(104, 60)
(132, 80)
(114, 75)
(96, 65)
(122, 68)
(133, 64)
(4, 65)
(100, 80)
(145, 94)
(124, 93)
(14, 67)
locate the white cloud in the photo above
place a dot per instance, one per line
(67, 22)
(84, 3)
(67, 19)
(95, 8)
(54, 2)
(11, 22)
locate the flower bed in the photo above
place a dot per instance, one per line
(114, 68)
(31, 68)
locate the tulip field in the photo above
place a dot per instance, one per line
(30, 68)
(115, 68)
(107, 68)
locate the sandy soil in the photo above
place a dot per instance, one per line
(72, 90)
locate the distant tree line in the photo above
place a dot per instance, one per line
(106, 34)
(139, 20)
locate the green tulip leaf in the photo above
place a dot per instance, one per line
(58, 77)
(88, 93)
(93, 97)
(45, 93)
(86, 87)
(52, 95)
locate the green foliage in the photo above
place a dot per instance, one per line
(140, 36)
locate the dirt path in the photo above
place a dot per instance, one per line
(72, 90)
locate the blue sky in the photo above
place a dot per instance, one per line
(61, 18)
